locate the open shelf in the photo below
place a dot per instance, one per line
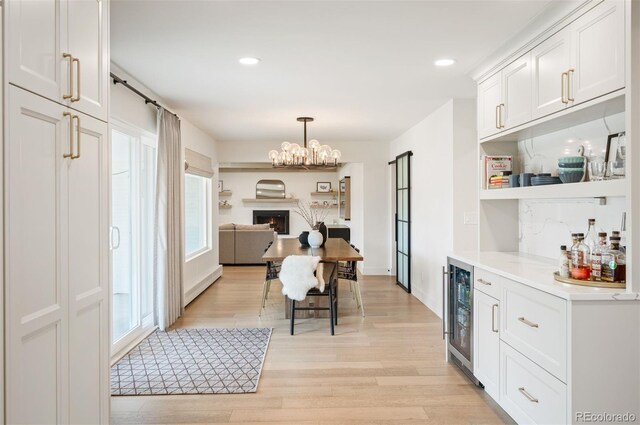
(323, 206)
(224, 207)
(225, 193)
(271, 201)
(558, 191)
(324, 193)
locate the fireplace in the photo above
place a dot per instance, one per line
(278, 219)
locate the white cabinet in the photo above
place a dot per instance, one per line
(516, 92)
(597, 52)
(59, 50)
(551, 61)
(57, 263)
(486, 342)
(489, 104)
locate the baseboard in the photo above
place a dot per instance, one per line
(374, 271)
(193, 293)
(134, 342)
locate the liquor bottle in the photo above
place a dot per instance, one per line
(596, 257)
(563, 262)
(580, 255)
(574, 244)
(591, 239)
(614, 262)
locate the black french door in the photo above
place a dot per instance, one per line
(403, 220)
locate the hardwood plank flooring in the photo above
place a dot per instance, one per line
(386, 368)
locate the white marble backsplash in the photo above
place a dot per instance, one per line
(540, 154)
(547, 224)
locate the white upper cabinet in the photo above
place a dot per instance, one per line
(489, 106)
(36, 39)
(579, 63)
(597, 52)
(88, 41)
(551, 62)
(59, 50)
(516, 92)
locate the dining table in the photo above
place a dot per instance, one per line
(334, 250)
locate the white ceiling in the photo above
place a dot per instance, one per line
(363, 69)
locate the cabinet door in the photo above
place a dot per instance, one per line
(36, 38)
(489, 100)
(598, 52)
(88, 258)
(516, 94)
(88, 43)
(36, 275)
(486, 343)
(551, 60)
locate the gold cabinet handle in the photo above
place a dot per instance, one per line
(70, 154)
(484, 282)
(493, 318)
(527, 322)
(78, 135)
(563, 89)
(570, 85)
(502, 107)
(70, 95)
(525, 393)
(497, 116)
(77, 97)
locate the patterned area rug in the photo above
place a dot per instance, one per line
(193, 361)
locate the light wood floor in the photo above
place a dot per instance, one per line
(386, 368)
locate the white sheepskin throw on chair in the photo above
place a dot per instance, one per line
(297, 276)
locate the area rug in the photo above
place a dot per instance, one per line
(193, 361)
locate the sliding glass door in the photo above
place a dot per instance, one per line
(133, 173)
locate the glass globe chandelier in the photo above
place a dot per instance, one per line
(311, 155)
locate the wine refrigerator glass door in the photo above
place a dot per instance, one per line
(460, 315)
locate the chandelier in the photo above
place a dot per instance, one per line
(311, 155)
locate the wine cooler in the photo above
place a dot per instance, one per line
(457, 324)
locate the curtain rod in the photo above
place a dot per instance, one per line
(147, 99)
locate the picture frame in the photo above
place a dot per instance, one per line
(220, 186)
(323, 187)
(342, 186)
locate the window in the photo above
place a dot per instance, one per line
(197, 209)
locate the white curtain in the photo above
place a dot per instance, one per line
(168, 251)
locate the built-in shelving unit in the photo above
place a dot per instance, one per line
(271, 201)
(595, 189)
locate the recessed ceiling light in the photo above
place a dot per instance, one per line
(445, 62)
(249, 61)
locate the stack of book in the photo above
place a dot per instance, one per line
(497, 170)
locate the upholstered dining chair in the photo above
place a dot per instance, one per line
(272, 272)
(348, 270)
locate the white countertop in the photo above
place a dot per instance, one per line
(537, 272)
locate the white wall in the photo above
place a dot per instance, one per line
(300, 185)
(443, 176)
(375, 221)
(126, 106)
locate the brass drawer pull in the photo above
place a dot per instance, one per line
(527, 322)
(531, 398)
(493, 318)
(563, 89)
(77, 96)
(78, 136)
(570, 97)
(70, 154)
(484, 282)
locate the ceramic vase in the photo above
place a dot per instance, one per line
(315, 239)
(304, 238)
(323, 231)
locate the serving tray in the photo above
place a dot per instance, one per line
(593, 284)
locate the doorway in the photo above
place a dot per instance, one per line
(403, 220)
(133, 176)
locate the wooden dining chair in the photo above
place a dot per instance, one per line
(348, 270)
(331, 291)
(272, 272)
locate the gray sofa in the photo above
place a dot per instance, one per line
(244, 243)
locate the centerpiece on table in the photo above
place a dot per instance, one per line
(314, 215)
